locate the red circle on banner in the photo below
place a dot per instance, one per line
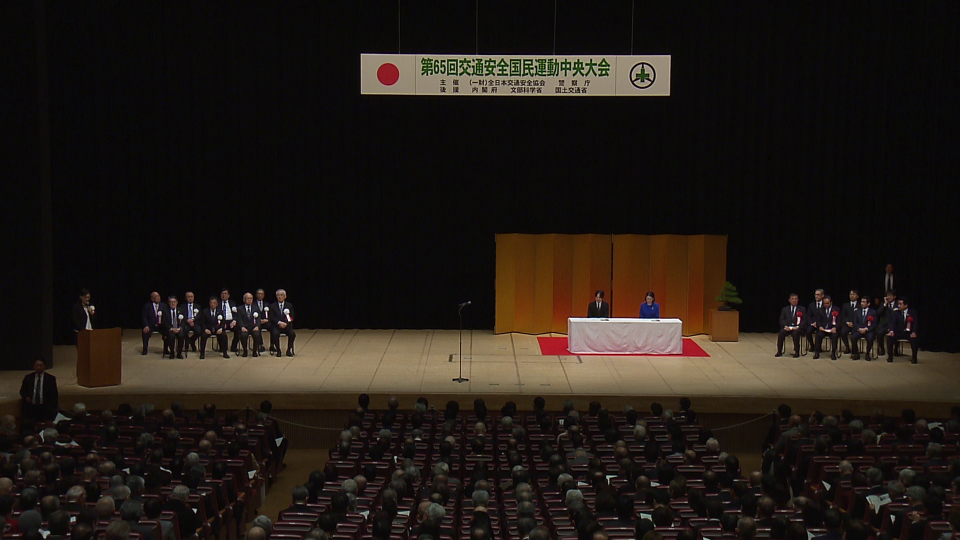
(388, 74)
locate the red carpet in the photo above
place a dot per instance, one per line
(557, 346)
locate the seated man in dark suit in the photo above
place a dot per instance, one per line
(150, 319)
(885, 312)
(811, 321)
(172, 327)
(188, 521)
(41, 399)
(192, 330)
(791, 318)
(828, 319)
(281, 322)
(212, 325)
(864, 327)
(598, 309)
(300, 496)
(131, 512)
(249, 319)
(847, 311)
(261, 303)
(903, 325)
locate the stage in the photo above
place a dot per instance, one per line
(333, 366)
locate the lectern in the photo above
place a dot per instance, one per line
(98, 357)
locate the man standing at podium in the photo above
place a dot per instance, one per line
(40, 399)
(83, 312)
(598, 309)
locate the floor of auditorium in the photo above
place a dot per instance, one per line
(332, 366)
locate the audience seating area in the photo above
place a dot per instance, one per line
(226, 462)
(671, 482)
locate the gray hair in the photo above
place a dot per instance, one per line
(420, 407)
(349, 486)
(278, 292)
(856, 424)
(564, 477)
(300, 493)
(917, 493)
(146, 439)
(868, 436)
(346, 435)
(507, 422)
(192, 459)
(574, 495)
(122, 493)
(481, 497)
(907, 476)
(79, 409)
(713, 445)
(264, 523)
(934, 450)
(895, 489)
(180, 493)
(441, 468)
(135, 484)
(830, 421)
(874, 475)
(435, 512)
(639, 432)
(131, 511)
(49, 435)
(846, 467)
(74, 493)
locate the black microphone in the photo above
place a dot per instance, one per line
(467, 303)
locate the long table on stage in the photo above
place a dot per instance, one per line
(624, 336)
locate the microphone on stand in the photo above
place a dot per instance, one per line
(467, 303)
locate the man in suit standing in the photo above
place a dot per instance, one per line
(212, 325)
(191, 328)
(864, 327)
(229, 310)
(262, 306)
(281, 322)
(790, 318)
(598, 309)
(250, 325)
(903, 325)
(846, 319)
(828, 319)
(150, 319)
(172, 322)
(39, 394)
(888, 281)
(812, 316)
(83, 312)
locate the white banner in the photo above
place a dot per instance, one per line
(452, 75)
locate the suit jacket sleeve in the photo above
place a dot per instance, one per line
(784, 318)
(145, 315)
(51, 395)
(79, 317)
(26, 389)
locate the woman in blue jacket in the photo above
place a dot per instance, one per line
(650, 309)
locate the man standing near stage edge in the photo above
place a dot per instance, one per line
(39, 395)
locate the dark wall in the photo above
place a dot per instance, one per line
(202, 144)
(25, 324)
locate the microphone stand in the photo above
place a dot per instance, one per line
(461, 379)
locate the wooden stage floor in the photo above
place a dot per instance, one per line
(333, 366)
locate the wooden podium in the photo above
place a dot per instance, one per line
(98, 357)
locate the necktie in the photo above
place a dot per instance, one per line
(793, 311)
(864, 314)
(818, 305)
(36, 390)
(248, 312)
(156, 310)
(853, 305)
(173, 317)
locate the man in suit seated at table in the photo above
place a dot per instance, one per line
(864, 327)
(791, 318)
(903, 325)
(598, 309)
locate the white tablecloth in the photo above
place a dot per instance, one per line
(625, 336)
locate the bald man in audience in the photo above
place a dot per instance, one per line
(105, 508)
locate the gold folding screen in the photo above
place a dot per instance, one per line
(544, 278)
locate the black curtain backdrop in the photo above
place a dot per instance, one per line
(205, 144)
